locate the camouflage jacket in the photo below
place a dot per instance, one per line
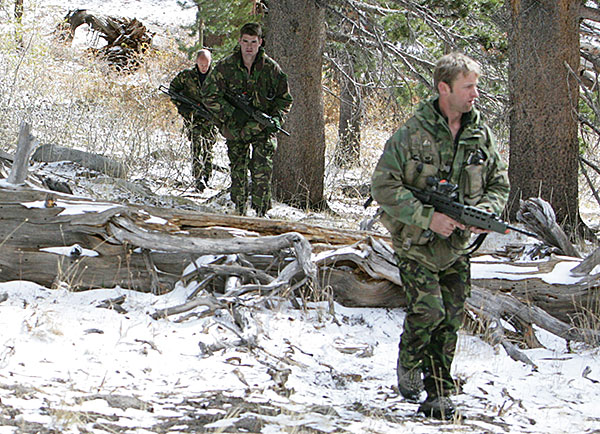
(266, 87)
(189, 83)
(424, 147)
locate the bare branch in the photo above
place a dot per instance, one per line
(588, 13)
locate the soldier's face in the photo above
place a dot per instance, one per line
(462, 94)
(203, 63)
(250, 45)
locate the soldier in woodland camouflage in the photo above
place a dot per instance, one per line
(445, 138)
(201, 133)
(249, 72)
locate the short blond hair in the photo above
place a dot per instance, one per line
(449, 67)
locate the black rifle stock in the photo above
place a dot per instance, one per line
(242, 102)
(442, 198)
(195, 105)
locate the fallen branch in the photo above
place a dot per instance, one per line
(209, 301)
(25, 146)
(538, 215)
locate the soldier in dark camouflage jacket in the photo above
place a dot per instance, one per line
(249, 72)
(447, 139)
(201, 133)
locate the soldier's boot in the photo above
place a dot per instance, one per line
(200, 185)
(439, 407)
(261, 210)
(410, 382)
(199, 177)
(240, 207)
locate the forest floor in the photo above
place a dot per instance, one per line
(69, 365)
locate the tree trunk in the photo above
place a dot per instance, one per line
(347, 151)
(543, 126)
(295, 39)
(18, 10)
(19, 19)
(200, 30)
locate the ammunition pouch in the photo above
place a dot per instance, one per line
(408, 235)
(474, 174)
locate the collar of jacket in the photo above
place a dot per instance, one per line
(201, 77)
(259, 61)
(430, 114)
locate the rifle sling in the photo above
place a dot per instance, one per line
(475, 245)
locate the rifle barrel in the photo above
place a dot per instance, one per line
(204, 112)
(256, 114)
(524, 232)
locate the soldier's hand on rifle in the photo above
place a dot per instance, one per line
(250, 129)
(443, 225)
(276, 125)
(185, 111)
(478, 231)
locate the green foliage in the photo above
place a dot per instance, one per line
(220, 22)
(402, 27)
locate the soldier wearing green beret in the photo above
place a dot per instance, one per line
(250, 74)
(446, 138)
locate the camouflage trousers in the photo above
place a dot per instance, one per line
(256, 156)
(435, 313)
(202, 138)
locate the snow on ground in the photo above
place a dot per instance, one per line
(70, 366)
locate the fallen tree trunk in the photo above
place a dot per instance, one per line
(125, 38)
(39, 232)
(59, 240)
(52, 153)
(538, 216)
(568, 300)
(47, 238)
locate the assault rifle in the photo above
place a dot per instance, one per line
(243, 102)
(195, 105)
(441, 194)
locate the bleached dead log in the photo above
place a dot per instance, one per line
(25, 146)
(125, 38)
(492, 308)
(120, 247)
(508, 307)
(209, 301)
(51, 153)
(207, 225)
(566, 301)
(538, 216)
(125, 231)
(587, 265)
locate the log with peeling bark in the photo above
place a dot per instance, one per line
(566, 310)
(57, 239)
(125, 38)
(25, 147)
(538, 216)
(113, 244)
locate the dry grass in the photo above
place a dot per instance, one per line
(71, 98)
